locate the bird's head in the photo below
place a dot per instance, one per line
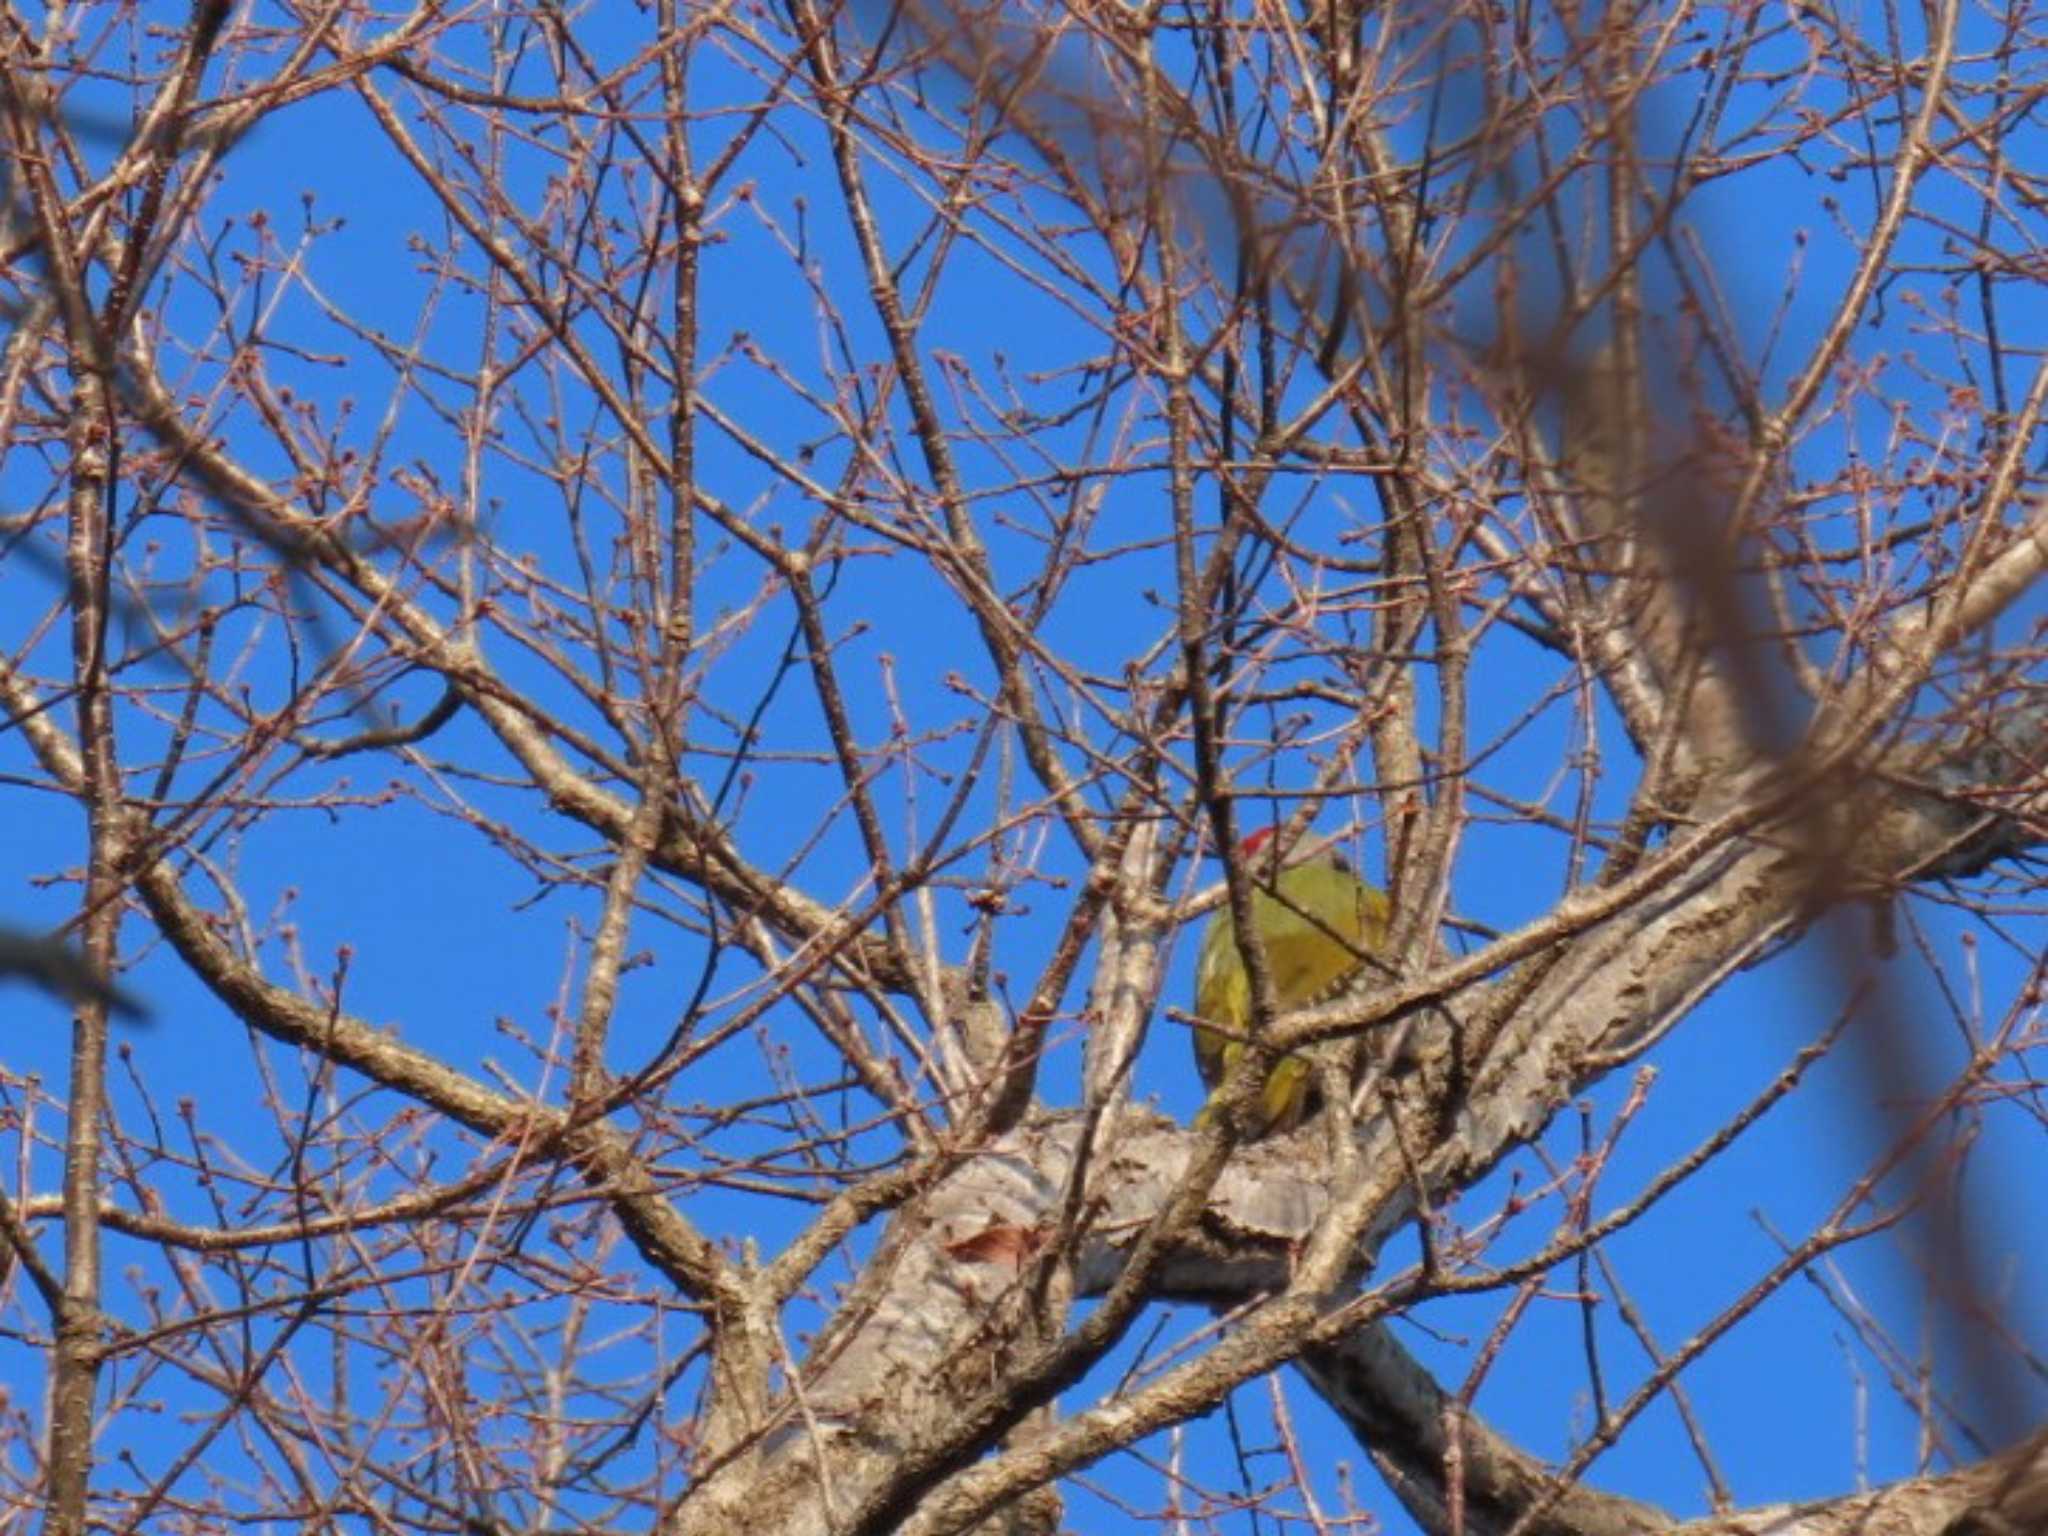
(1257, 851)
(1254, 850)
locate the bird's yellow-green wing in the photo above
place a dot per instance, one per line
(1323, 921)
(1222, 994)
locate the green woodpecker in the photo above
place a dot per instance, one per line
(1316, 920)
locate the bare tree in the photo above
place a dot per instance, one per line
(651, 612)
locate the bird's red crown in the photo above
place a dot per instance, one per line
(1254, 840)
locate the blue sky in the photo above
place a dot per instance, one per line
(464, 946)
